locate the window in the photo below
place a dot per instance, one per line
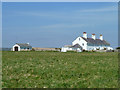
(79, 39)
(83, 44)
(27, 48)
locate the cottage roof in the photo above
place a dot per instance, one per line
(96, 41)
(24, 45)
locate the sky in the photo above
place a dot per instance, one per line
(55, 24)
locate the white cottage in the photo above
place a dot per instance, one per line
(21, 47)
(88, 44)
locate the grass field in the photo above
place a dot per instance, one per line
(60, 70)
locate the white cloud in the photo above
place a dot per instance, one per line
(66, 26)
(107, 9)
(30, 13)
(78, 14)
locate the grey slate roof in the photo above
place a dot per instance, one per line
(24, 45)
(76, 46)
(73, 46)
(96, 41)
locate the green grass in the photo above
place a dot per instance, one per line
(59, 70)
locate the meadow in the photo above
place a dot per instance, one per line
(36, 69)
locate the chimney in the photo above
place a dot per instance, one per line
(101, 37)
(93, 36)
(84, 34)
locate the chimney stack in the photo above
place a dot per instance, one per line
(101, 37)
(84, 34)
(93, 36)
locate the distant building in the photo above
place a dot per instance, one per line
(90, 44)
(21, 47)
(46, 49)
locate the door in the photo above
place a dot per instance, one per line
(16, 48)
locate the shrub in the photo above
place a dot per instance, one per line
(112, 50)
(72, 51)
(33, 49)
(93, 50)
(118, 48)
(85, 50)
(105, 48)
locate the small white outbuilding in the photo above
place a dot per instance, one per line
(22, 47)
(75, 47)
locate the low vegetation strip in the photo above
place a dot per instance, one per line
(59, 70)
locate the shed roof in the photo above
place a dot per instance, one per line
(24, 45)
(96, 41)
(73, 46)
(76, 46)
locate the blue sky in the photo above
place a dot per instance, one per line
(55, 24)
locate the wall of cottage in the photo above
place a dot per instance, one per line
(89, 48)
(81, 42)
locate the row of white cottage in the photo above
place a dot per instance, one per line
(89, 44)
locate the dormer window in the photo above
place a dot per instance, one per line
(79, 39)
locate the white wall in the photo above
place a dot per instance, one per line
(65, 49)
(109, 48)
(80, 41)
(16, 46)
(79, 50)
(89, 48)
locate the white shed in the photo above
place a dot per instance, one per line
(21, 47)
(75, 47)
